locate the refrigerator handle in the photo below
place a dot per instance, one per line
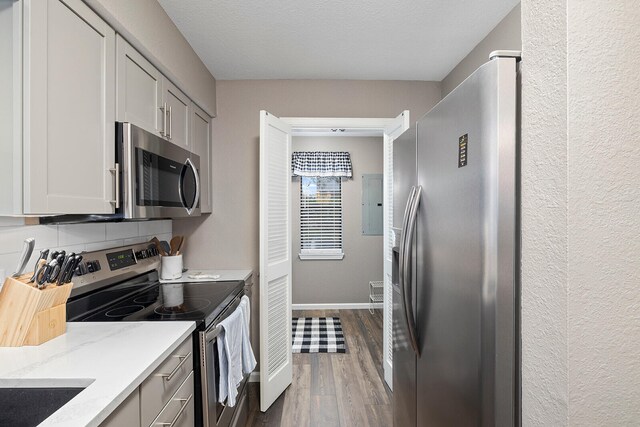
(403, 238)
(405, 269)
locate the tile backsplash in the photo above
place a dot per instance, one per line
(75, 238)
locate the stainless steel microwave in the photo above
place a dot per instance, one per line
(158, 179)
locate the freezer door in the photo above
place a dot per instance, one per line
(467, 254)
(404, 358)
(404, 173)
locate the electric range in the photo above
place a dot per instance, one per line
(121, 284)
(145, 298)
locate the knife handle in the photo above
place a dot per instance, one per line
(25, 255)
(40, 265)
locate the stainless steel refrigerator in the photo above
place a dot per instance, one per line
(456, 275)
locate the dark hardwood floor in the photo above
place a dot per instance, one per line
(334, 389)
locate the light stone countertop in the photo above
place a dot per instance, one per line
(225, 275)
(110, 359)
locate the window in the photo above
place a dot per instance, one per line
(320, 217)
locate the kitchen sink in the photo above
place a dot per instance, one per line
(29, 406)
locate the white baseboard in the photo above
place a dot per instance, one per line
(335, 306)
(254, 377)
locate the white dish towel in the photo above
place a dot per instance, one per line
(235, 354)
(245, 305)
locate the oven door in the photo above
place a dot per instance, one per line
(215, 414)
(160, 179)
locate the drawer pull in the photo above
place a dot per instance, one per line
(169, 377)
(185, 403)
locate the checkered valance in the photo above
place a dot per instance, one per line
(321, 163)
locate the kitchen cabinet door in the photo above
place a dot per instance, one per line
(127, 414)
(201, 145)
(139, 89)
(177, 114)
(69, 109)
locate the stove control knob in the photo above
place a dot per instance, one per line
(81, 269)
(92, 266)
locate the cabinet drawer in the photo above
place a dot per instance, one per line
(158, 388)
(180, 410)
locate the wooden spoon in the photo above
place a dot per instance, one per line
(182, 239)
(175, 244)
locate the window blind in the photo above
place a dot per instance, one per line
(320, 215)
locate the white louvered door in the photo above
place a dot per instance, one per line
(393, 131)
(275, 258)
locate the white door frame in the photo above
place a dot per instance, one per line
(389, 129)
(375, 126)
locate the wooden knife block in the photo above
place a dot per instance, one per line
(31, 316)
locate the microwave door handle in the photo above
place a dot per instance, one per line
(197, 178)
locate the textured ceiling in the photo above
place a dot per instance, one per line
(334, 39)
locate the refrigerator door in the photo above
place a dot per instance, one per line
(404, 173)
(466, 247)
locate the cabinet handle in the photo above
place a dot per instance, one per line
(169, 377)
(116, 172)
(163, 131)
(170, 122)
(185, 403)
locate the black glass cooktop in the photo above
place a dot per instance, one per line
(144, 299)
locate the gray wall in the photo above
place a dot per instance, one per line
(505, 36)
(146, 25)
(228, 238)
(346, 280)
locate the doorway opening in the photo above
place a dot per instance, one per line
(352, 376)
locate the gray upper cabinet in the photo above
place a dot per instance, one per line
(139, 94)
(10, 107)
(201, 145)
(176, 110)
(69, 109)
(148, 99)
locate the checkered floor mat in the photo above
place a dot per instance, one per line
(318, 335)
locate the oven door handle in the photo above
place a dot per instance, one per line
(212, 334)
(215, 329)
(169, 376)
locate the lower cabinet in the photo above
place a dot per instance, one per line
(179, 411)
(164, 398)
(127, 414)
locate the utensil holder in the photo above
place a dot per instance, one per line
(31, 316)
(171, 267)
